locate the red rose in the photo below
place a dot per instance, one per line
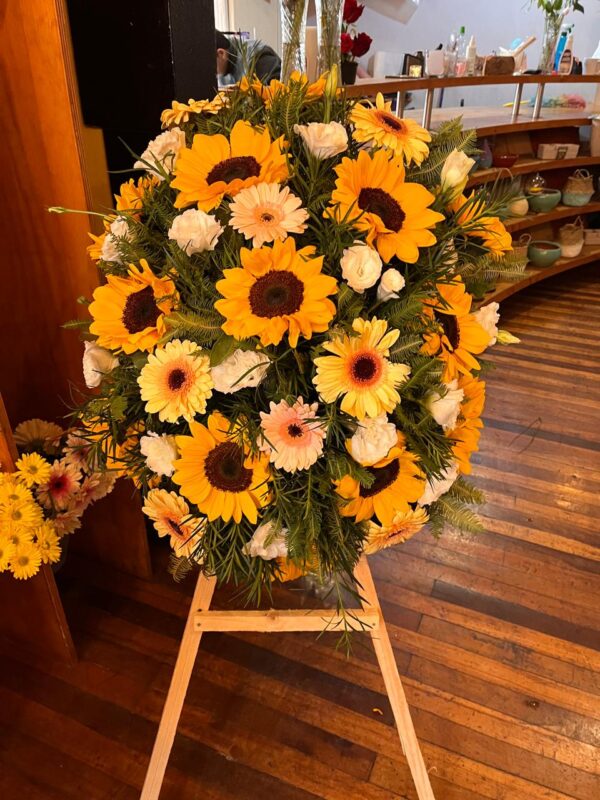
(352, 11)
(346, 44)
(361, 45)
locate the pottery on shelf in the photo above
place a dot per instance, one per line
(518, 206)
(543, 254)
(504, 160)
(543, 200)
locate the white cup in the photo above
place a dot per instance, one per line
(591, 66)
(434, 63)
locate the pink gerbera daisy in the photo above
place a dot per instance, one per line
(292, 436)
(61, 487)
(267, 212)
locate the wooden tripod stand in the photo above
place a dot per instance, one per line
(201, 620)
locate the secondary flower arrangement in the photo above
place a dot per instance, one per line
(44, 499)
(285, 354)
(353, 45)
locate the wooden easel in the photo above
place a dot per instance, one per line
(201, 620)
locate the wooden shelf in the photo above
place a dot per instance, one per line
(533, 275)
(488, 121)
(560, 212)
(526, 165)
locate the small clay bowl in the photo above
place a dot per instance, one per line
(543, 254)
(544, 200)
(518, 206)
(505, 160)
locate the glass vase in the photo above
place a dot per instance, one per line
(551, 33)
(293, 36)
(329, 33)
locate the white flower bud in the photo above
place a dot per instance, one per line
(323, 139)
(488, 317)
(119, 229)
(361, 266)
(373, 440)
(267, 542)
(160, 452)
(436, 488)
(392, 281)
(227, 376)
(163, 151)
(195, 231)
(455, 171)
(445, 409)
(97, 362)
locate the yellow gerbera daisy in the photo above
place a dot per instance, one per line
(274, 89)
(277, 289)
(7, 550)
(25, 560)
(398, 482)
(214, 166)
(476, 224)
(371, 193)
(12, 491)
(129, 312)
(217, 473)
(131, 194)
(176, 381)
(466, 433)
(459, 335)
(376, 123)
(171, 517)
(21, 515)
(48, 542)
(404, 525)
(33, 469)
(360, 370)
(37, 434)
(180, 112)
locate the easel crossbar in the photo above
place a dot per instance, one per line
(275, 620)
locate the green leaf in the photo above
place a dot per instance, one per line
(222, 349)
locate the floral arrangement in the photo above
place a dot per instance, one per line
(285, 353)
(43, 500)
(353, 45)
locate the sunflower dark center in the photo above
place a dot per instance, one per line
(384, 477)
(390, 121)
(140, 311)
(241, 167)
(381, 203)
(277, 293)
(295, 430)
(225, 470)
(176, 379)
(450, 325)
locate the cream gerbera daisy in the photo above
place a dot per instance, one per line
(403, 526)
(293, 438)
(266, 212)
(361, 371)
(33, 469)
(176, 381)
(37, 434)
(171, 517)
(25, 560)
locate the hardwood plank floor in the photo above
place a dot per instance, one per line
(497, 636)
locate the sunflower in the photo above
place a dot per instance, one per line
(360, 370)
(32, 469)
(216, 472)
(398, 481)
(176, 381)
(278, 289)
(25, 560)
(488, 231)
(377, 124)
(458, 336)
(465, 435)
(404, 525)
(371, 193)
(47, 541)
(37, 434)
(129, 312)
(171, 517)
(214, 167)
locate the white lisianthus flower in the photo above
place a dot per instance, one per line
(160, 451)
(240, 370)
(119, 229)
(373, 440)
(436, 488)
(488, 317)
(455, 171)
(267, 542)
(195, 231)
(323, 139)
(445, 408)
(392, 281)
(97, 362)
(361, 266)
(162, 151)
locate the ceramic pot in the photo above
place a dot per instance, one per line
(518, 207)
(543, 254)
(544, 200)
(349, 69)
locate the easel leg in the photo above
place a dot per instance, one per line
(184, 665)
(393, 685)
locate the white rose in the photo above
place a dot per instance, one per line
(267, 542)
(227, 376)
(455, 171)
(119, 229)
(373, 440)
(160, 452)
(390, 284)
(162, 151)
(195, 231)
(488, 317)
(361, 266)
(445, 409)
(323, 139)
(434, 489)
(97, 362)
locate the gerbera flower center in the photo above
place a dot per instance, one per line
(175, 527)
(58, 484)
(140, 311)
(266, 216)
(295, 430)
(177, 378)
(450, 325)
(225, 470)
(379, 202)
(384, 477)
(238, 167)
(277, 293)
(365, 368)
(390, 121)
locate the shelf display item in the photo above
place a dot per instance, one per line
(518, 206)
(571, 238)
(550, 152)
(535, 184)
(579, 188)
(543, 200)
(543, 254)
